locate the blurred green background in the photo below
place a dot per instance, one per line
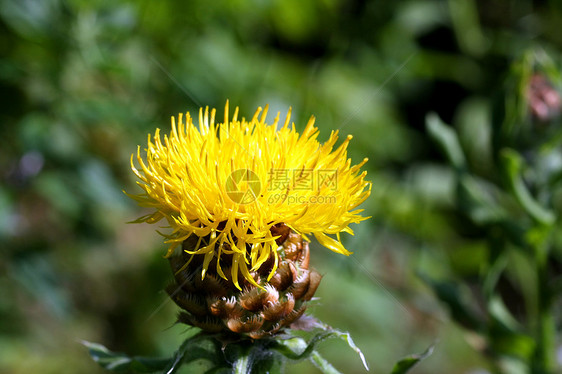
(83, 82)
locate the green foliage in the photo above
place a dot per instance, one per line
(520, 218)
(466, 175)
(241, 357)
(120, 362)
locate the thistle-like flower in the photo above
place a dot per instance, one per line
(241, 198)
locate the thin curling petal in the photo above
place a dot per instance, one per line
(334, 245)
(234, 180)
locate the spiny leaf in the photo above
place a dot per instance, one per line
(190, 350)
(293, 349)
(120, 362)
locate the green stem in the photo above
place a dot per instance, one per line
(321, 363)
(543, 361)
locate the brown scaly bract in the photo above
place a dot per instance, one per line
(216, 305)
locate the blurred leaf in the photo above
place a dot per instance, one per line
(458, 299)
(420, 16)
(404, 365)
(99, 185)
(8, 218)
(515, 107)
(57, 188)
(434, 183)
(501, 314)
(39, 276)
(495, 267)
(479, 200)
(512, 164)
(464, 15)
(31, 18)
(447, 139)
(508, 343)
(474, 128)
(512, 365)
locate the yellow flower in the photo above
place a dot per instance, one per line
(230, 183)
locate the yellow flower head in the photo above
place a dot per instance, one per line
(230, 183)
